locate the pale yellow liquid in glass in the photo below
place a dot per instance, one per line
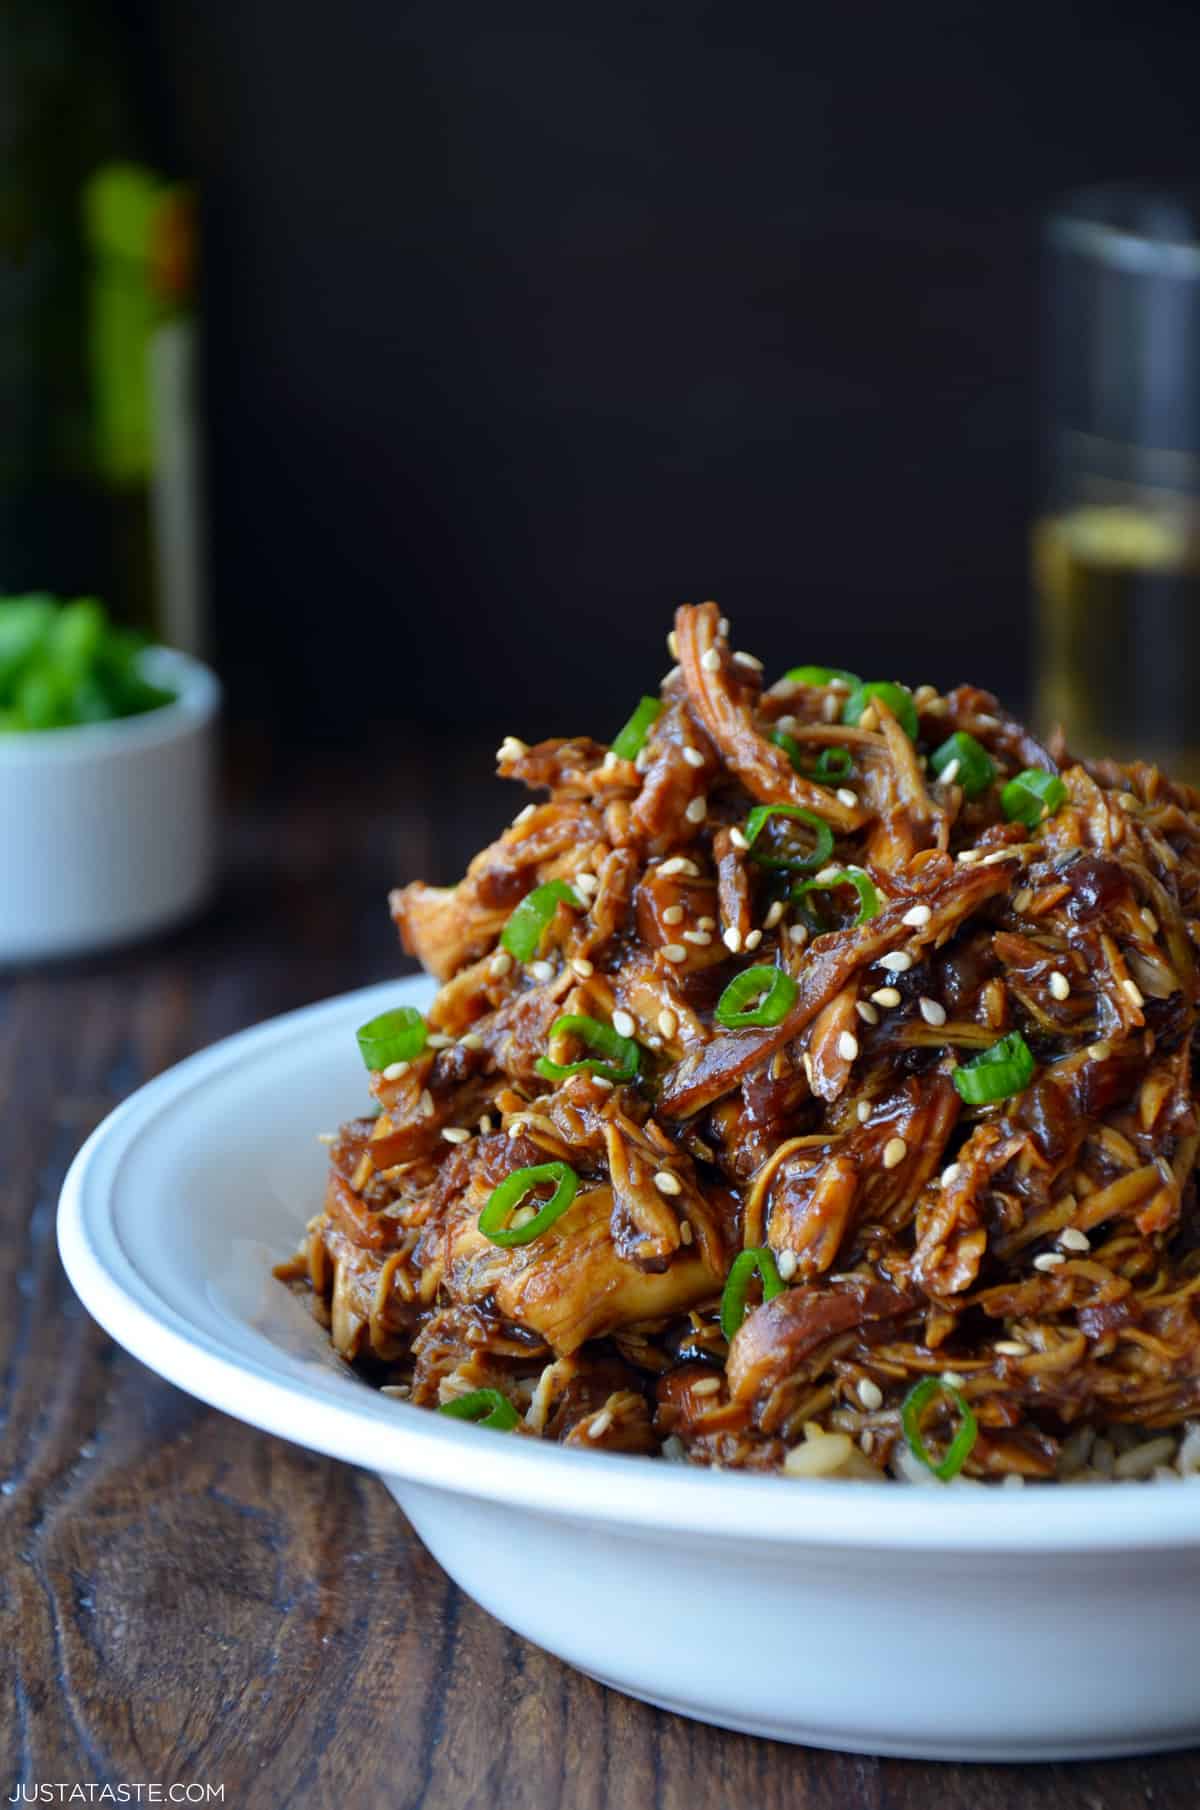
(1118, 631)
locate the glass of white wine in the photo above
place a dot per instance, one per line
(1116, 549)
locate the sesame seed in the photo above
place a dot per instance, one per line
(582, 966)
(685, 1231)
(426, 1104)
(454, 1134)
(693, 757)
(847, 1046)
(623, 1024)
(603, 1083)
(641, 759)
(984, 721)
(485, 1122)
(732, 938)
(827, 875)
(1128, 801)
(674, 914)
(674, 952)
(1023, 899)
(394, 1070)
(862, 1111)
(738, 839)
(969, 856)
(918, 916)
(679, 864)
(1001, 854)
(708, 1385)
(1099, 1052)
(1149, 920)
(797, 933)
(327, 1137)
(785, 722)
(512, 748)
(523, 1216)
(525, 815)
(869, 719)
(610, 759)
(1049, 1260)
(931, 1011)
(710, 660)
(866, 1012)
(515, 1127)
(697, 810)
(599, 1427)
(1059, 985)
(753, 939)
(1010, 1348)
(673, 645)
(541, 970)
(471, 1040)
(1072, 1239)
(701, 938)
(654, 1043)
(952, 1173)
(706, 923)
(773, 915)
(586, 883)
(668, 1024)
(438, 1040)
(749, 660)
(886, 997)
(830, 708)
(894, 1152)
(786, 1265)
(949, 772)
(897, 961)
(666, 1183)
(870, 1394)
(808, 1067)
(845, 796)
(954, 1379)
(501, 963)
(1133, 992)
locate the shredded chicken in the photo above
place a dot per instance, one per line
(1036, 1250)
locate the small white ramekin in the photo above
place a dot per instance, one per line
(107, 831)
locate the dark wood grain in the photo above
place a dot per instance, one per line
(182, 1598)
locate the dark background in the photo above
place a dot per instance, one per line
(525, 323)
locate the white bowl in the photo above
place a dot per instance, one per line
(949, 1623)
(107, 830)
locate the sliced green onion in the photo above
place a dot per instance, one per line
(959, 1449)
(897, 698)
(511, 1194)
(523, 933)
(395, 1036)
(1032, 797)
(997, 1073)
(733, 1298)
(834, 764)
(628, 744)
(868, 898)
(822, 675)
(487, 1407)
(974, 772)
(804, 862)
(623, 1051)
(789, 744)
(773, 991)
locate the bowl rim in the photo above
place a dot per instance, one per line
(197, 701)
(394, 1438)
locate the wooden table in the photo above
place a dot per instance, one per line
(183, 1599)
